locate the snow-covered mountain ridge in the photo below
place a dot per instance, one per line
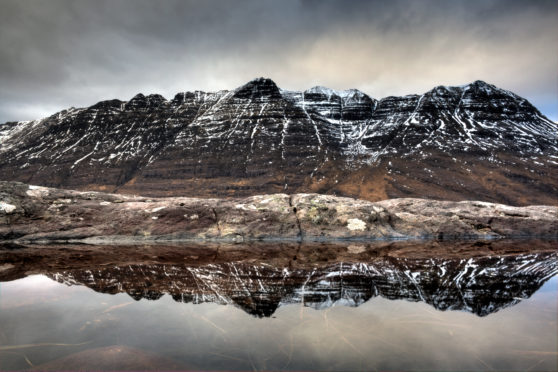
(468, 142)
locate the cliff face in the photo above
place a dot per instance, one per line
(475, 142)
(39, 214)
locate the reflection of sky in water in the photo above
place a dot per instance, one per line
(381, 333)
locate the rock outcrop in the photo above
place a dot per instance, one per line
(39, 214)
(472, 142)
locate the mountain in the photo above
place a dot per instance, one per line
(469, 142)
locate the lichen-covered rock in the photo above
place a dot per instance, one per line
(7, 208)
(323, 217)
(38, 214)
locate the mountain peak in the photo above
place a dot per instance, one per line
(258, 88)
(107, 104)
(140, 101)
(318, 89)
(483, 86)
(480, 83)
(343, 94)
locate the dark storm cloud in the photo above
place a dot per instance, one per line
(58, 53)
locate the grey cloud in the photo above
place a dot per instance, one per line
(60, 53)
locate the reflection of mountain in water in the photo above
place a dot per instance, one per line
(478, 285)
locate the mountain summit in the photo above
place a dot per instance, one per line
(258, 88)
(475, 141)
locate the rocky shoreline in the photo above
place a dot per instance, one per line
(32, 214)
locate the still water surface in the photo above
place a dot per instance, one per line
(471, 313)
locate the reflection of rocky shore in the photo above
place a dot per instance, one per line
(480, 278)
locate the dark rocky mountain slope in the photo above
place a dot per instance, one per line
(469, 142)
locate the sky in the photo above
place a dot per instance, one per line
(59, 53)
